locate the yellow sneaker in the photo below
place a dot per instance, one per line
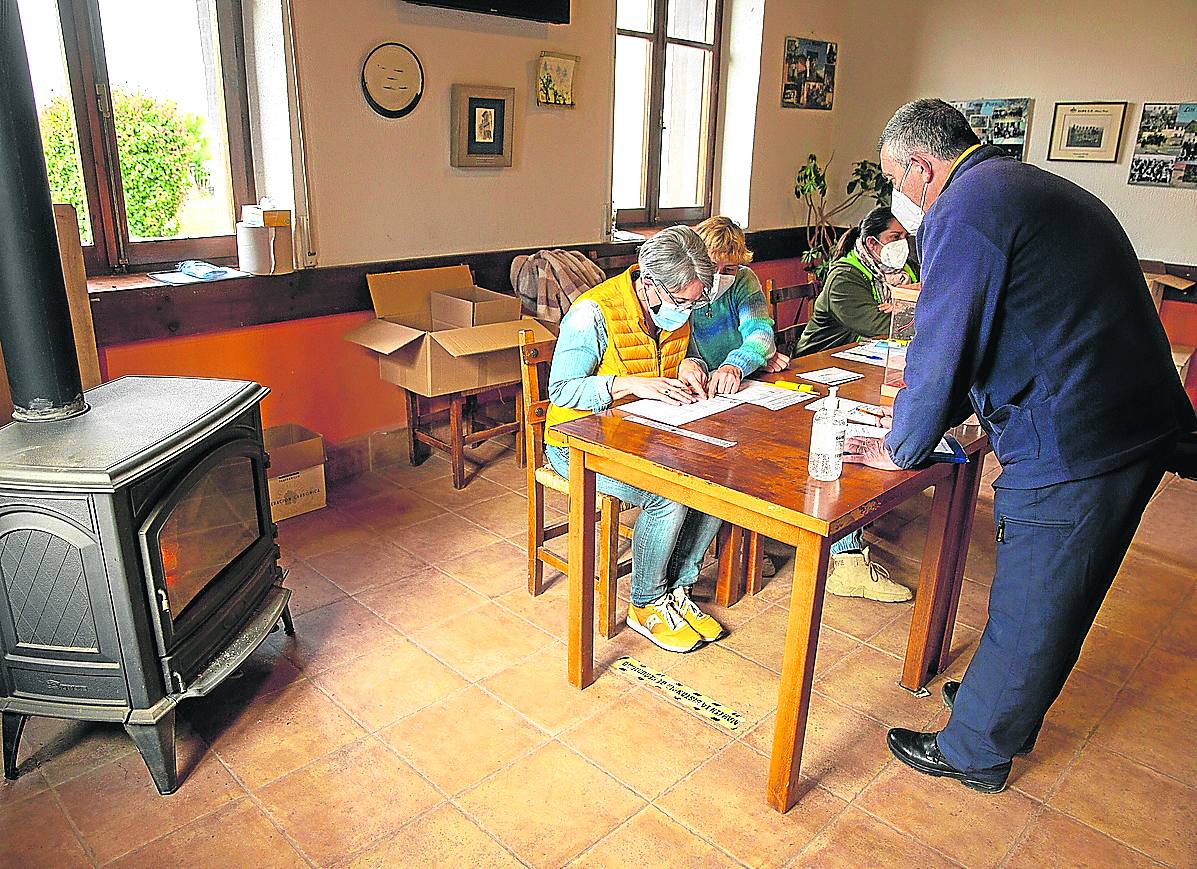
(706, 626)
(661, 623)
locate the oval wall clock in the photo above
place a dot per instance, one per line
(392, 80)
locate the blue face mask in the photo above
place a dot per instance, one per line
(669, 317)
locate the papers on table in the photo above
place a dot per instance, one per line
(875, 353)
(854, 410)
(770, 396)
(830, 376)
(863, 355)
(752, 392)
(698, 436)
(857, 430)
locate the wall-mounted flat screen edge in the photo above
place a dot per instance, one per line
(551, 11)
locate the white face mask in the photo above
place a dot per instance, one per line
(903, 208)
(894, 255)
(721, 285)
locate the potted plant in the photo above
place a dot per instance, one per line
(810, 188)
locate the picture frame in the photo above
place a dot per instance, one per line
(555, 79)
(482, 126)
(1165, 153)
(808, 73)
(1087, 132)
(1002, 122)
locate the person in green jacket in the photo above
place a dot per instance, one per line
(854, 303)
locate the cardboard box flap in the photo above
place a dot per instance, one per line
(489, 338)
(1176, 282)
(402, 294)
(292, 448)
(383, 336)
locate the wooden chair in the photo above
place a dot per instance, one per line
(804, 294)
(535, 359)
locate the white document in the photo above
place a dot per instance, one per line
(679, 414)
(863, 355)
(857, 430)
(830, 376)
(854, 410)
(769, 396)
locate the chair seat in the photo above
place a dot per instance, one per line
(550, 479)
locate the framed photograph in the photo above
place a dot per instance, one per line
(1166, 147)
(1000, 122)
(1087, 132)
(482, 125)
(555, 80)
(808, 74)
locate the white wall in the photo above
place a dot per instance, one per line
(383, 189)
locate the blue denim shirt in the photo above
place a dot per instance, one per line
(580, 349)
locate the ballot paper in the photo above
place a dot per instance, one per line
(769, 396)
(830, 376)
(863, 355)
(856, 430)
(854, 410)
(679, 414)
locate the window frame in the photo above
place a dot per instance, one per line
(112, 250)
(651, 213)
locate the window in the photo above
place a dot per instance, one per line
(145, 124)
(666, 82)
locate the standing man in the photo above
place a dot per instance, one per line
(1034, 314)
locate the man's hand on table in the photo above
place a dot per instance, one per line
(725, 380)
(691, 373)
(777, 362)
(868, 451)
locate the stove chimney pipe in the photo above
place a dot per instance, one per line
(35, 320)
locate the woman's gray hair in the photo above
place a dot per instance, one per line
(930, 126)
(676, 256)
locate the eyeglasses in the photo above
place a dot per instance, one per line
(680, 304)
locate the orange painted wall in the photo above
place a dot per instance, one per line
(316, 378)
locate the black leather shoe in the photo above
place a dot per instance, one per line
(919, 751)
(949, 698)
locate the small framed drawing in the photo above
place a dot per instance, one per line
(482, 125)
(555, 80)
(1087, 132)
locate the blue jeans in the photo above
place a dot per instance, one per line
(669, 539)
(851, 541)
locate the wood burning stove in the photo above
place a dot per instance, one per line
(137, 558)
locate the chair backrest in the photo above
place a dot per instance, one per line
(535, 359)
(804, 294)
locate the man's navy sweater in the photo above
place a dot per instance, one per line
(1035, 311)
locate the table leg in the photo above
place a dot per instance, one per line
(581, 570)
(754, 556)
(417, 451)
(797, 668)
(970, 486)
(731, 565)
(457, 440)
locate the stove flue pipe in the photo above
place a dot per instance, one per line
(35, 320)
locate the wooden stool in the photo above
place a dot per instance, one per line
(464, 419)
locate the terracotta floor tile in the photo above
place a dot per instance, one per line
(843, 749)
(1071, 845)
(1038, 773)
(1081, 704)
(309, 590)
(867, 681)
(973, 828)
(646, 840)
(30, 783)
(1133, 613)
(1164, 579)
(855, 839)
(1111, 655)
(420, 601)
(1180, 636)
(333, 634)
(382, 687)
(506, 471)
(646, 742)
(444, 838)
(1157, 735)
(462, 739)
(264, 672)
(506, 515)
(321, 531)
(359, 488)
(1166, 530)
(347, 800)
(549, 610)
(894, 637)
(492, 570)
(538, 688)
(60, 749)
(441, 491)
(406, 474)
(1133, 804)
(725, 802)
(763, 640)
(276, 734)
(973, 609)
(364, 566)
(233, 837)
(444, 537)
(35, 834)
(483, 641)
(858, 617)
(387, 515)
(725, 677)
(132, 812)
(584, 803)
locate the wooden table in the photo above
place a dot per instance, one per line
(761, 485)
(463, 427)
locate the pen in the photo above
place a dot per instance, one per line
(877, 413)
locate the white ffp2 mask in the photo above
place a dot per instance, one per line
(721, 285)
(895, 253)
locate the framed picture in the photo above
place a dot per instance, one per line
(999, 122)
(1087, 132)
(482, 125)
(808, 74)
(555, 80)
(1166, 147)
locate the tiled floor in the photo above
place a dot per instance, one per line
(421, 718)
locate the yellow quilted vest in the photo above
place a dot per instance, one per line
(630, 349)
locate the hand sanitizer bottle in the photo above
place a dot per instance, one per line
(827, 436)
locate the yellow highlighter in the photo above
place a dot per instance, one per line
(797, 387)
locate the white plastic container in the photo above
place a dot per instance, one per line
(827, 435)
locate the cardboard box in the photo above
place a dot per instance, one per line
(1157, 283)
(1182, 358)
(295, 478)
(437, 358)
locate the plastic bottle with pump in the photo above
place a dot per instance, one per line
(827, 435)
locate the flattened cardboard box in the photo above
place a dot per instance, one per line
(436, 333)
(1157, 283)
(295, 478)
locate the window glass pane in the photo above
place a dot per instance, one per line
(692, 19)
(635, 15)
(168, 106)
(683, 142)
(55, 112)
(633, 73)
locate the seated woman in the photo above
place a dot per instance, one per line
(627, 337)
(854, 305)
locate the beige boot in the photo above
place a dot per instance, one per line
(852, 574)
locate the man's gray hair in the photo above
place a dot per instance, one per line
(676, 256)
(929, 126)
